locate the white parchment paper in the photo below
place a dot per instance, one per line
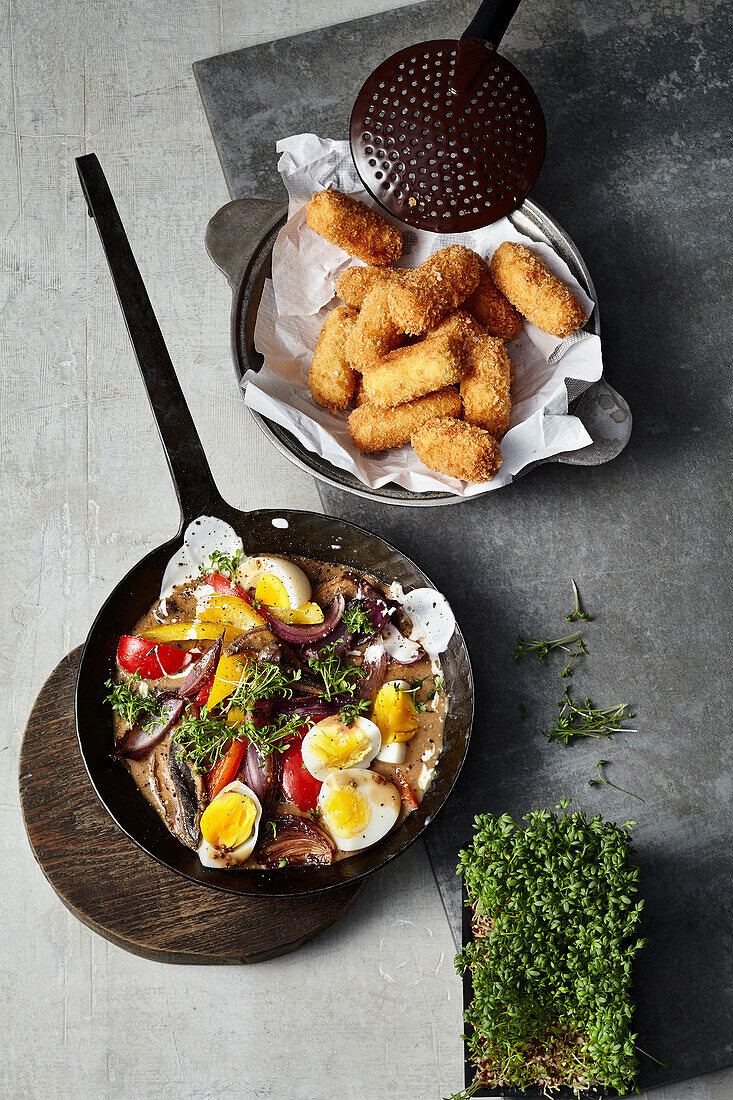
(299, 295)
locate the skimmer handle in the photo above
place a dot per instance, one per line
(490, 22)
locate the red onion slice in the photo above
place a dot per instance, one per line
(339, 639)
(202, 670)
(138, 741)
(308, 706)
(374, 667)
(262, 774)
(304, 635)
(298, 841)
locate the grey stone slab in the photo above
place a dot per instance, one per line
(635, 102)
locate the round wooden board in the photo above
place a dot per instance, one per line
(119, 891)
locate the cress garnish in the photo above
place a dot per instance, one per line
(555, 934)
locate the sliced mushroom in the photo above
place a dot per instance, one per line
(178, 792)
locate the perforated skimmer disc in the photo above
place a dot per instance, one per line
(447, 147)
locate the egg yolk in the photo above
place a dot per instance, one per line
(346, 811)
(228, 821)
(338, 746)
(270, 590)
(395, 714)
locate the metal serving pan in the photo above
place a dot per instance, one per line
(239, 239)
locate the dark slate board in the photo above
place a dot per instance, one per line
(636, 116)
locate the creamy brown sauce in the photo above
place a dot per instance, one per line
(422, 750)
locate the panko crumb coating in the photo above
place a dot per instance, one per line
(529, 285)
(414, 371)
(491, 309)
(374, 332)
(354, 227)
(373, 428)
(434, 288)
(486, 385)
(353, 285)
(330, 377)
(458, 449)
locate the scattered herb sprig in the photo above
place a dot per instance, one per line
(128, 704)
(338, 676)
(576, 719)
(356, 620)
(219, 562)
(608, 783)
(555, 933)
(262, 681)
(577, 614)
(572, 644)
(352, 710)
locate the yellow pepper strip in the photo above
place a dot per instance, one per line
(235, 717)
(271, 591)
(231, 611)
(182, 632)
(226, 680)
(310, 614)
(395, 714)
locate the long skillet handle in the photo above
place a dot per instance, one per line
(490, 22)
(195, 487)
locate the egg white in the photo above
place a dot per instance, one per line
(396, 751)
(315, 765)
(384, 804)
(291, 576)
(215, 857)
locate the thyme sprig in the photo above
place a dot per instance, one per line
(608, 783)
(555, 934)
(576, 719)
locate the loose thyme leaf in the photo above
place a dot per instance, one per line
(575, 719)
(607, 783)
(577, 614)
(219, 562)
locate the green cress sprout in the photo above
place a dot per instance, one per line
(554, 921)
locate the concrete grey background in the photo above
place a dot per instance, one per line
(86, 493)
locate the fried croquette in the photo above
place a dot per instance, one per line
(486, 385)
(457, 449)
(434, 288)
(491, 309)
(528, 283)
(353, 285)
(355, 227)
(377, 429)
(414, 371)
(360, 397)
(374, 333)
(330, 378)
(460, 325)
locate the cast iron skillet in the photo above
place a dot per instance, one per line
(305, 533)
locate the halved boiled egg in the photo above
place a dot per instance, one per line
(275, 581)
(229, 826)
(331, 745)
(395, 714)
(358, 807)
